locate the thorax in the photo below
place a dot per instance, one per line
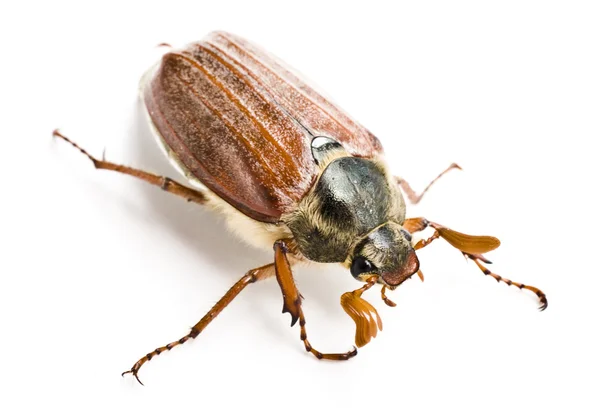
(350, 197)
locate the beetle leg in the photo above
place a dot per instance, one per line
(471, 247)
(411, 194)
(165, 183)
(251, 276)
(292, 301)
(541, 295)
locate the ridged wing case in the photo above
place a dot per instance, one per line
(242, 123)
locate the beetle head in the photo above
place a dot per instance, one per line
(387, 252)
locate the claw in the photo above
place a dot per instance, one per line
(354, 352)
(133, 372)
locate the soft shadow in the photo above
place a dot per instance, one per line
(207, 235)
(202, 230)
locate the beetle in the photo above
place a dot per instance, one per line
(291, 172)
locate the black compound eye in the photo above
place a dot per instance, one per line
(361, 265)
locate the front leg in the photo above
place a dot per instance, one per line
(472, 247)
(292, 301)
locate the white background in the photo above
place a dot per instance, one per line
(97, 269)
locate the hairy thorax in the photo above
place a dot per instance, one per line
(351, 197)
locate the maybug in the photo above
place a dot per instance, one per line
(291, 172)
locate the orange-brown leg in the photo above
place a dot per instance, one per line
(250, 277)
(478, 259)
(468, 246)
(292, 301)
(165, 183)
(412, 195)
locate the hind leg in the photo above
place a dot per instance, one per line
(165, 183)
